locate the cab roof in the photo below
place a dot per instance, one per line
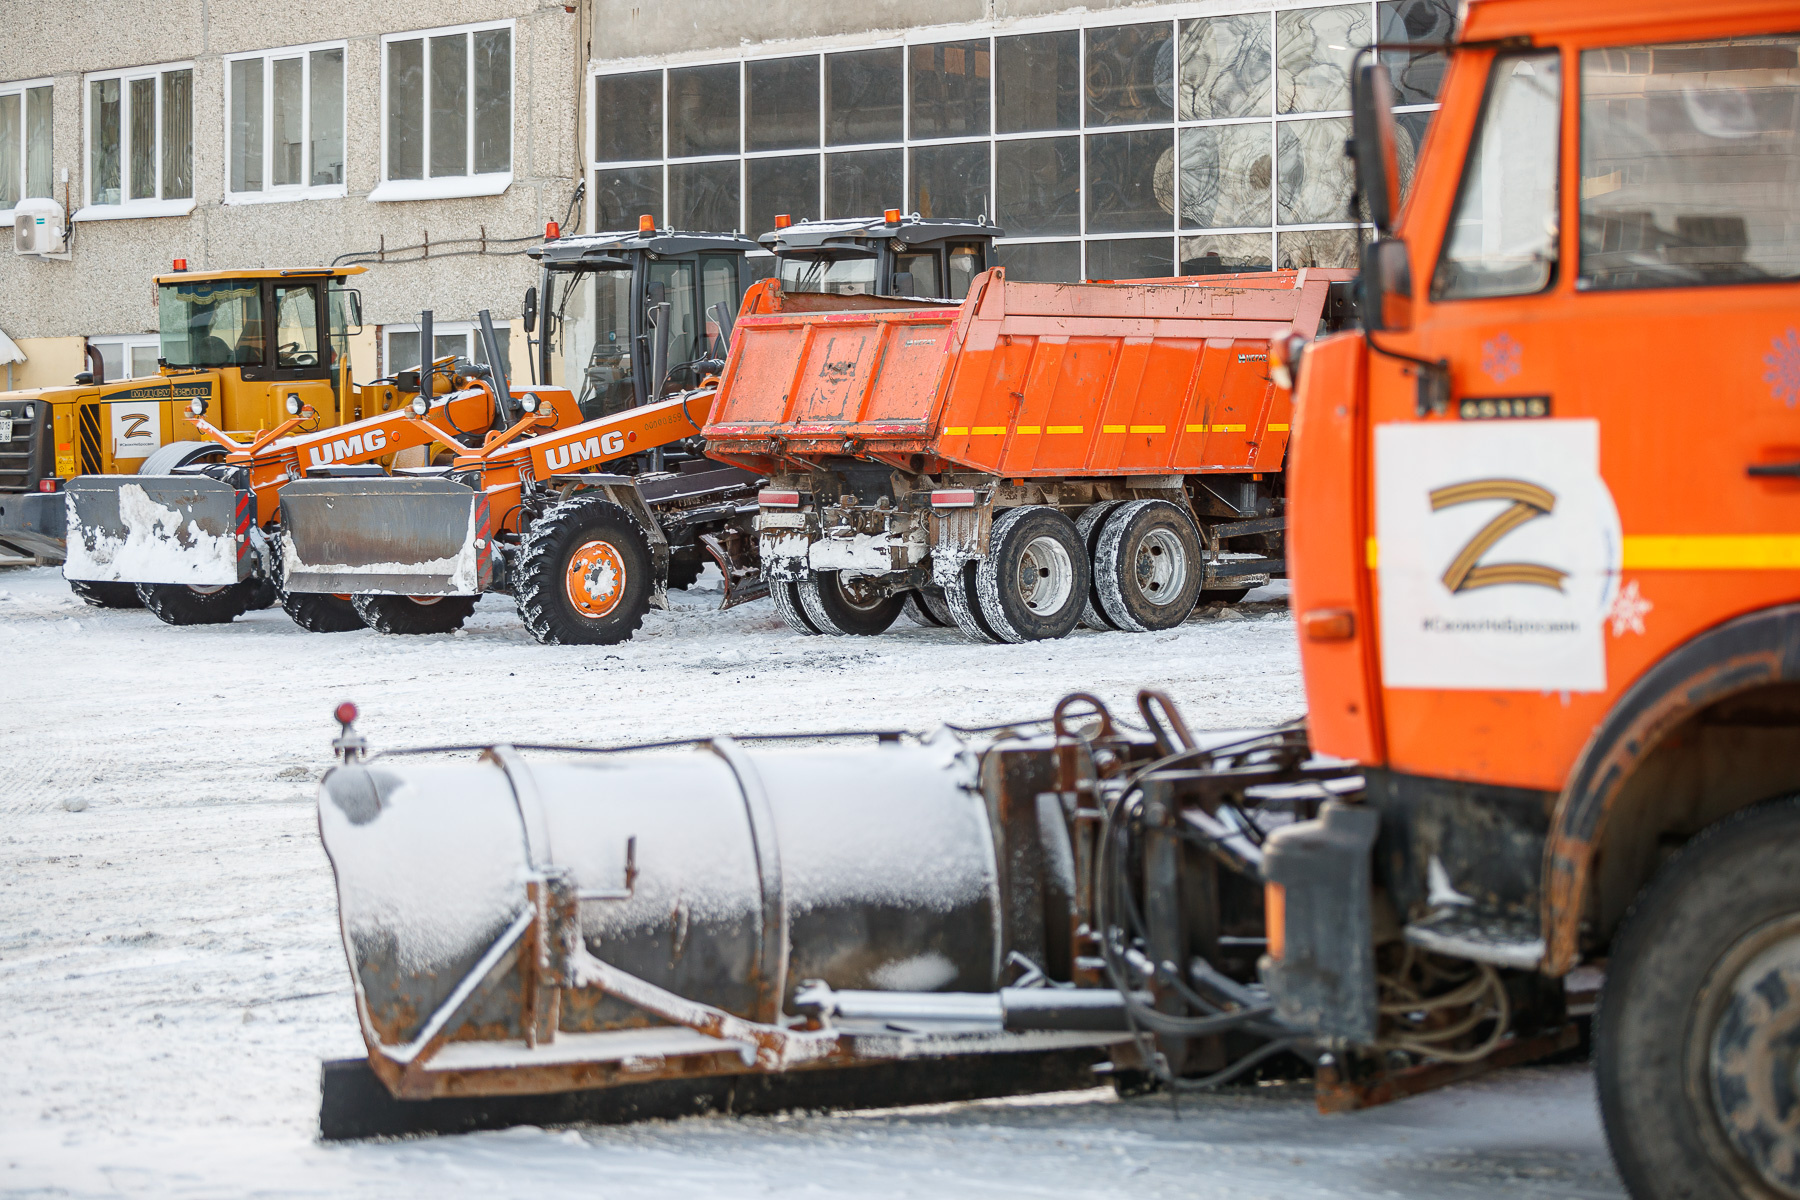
(1626, 21)
(588, 247)
(854, 233)
(265, 273)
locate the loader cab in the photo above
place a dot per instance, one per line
(631, 317)
(889, 255)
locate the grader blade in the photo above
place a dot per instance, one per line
(190, 529)
(385, 536)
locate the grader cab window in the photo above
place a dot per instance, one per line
(843, 276)
(211, 324)
(1690, 163)
(595, 323)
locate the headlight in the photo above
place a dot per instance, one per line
(529, 403)
(293, 404)
(420, 406)
(197, 406)
(29, 412)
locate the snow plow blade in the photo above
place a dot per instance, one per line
(190, 529)
(385, 536)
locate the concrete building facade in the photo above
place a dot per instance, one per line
(433, 141)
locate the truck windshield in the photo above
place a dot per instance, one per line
(1502, 237)
(844, 276)
(1690, 163)
(211, 324)
(594, 322)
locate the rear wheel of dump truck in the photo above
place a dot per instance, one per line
(584, 575)
(962, 598)
(1147, 566)
(1697, 1036)
(182, 604)
(1033, 583)
(786, 595)
(414, 614)
(926, 606)
(847, 607)
(106, 595)
(1088, 526)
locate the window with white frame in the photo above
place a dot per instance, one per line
(25, 143)
(460, 338)
(128, 356)
(140, 142)
(446, 112)
(284, 124)
(1106, 149)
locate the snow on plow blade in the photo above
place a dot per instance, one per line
(385, 536)
(189, 529)
(522, 928)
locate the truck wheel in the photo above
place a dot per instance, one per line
(684, 570)
(106, 595)
(414, 614)
(1088, 526)
(926, 606)
(1034, 581)
(1698, 1028)
(786, 595)
(847, 607)
(182, 604)
(960, 597)
(584, 574)
(1147, 566)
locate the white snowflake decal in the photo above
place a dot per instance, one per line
(1783, 375)
(1628, 611)
(1502, 357)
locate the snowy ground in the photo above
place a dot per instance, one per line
(170, 973)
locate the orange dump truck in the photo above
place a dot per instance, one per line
(1039, 454)
(1546, 570)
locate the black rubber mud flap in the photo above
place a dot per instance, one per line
(355, 1104)
(1325, 979)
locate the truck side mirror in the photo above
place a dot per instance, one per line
(1373, 144)
(528, 317)
(1386, 302)
(903, 283)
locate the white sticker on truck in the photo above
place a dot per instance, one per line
(136, 429)
(1498, 551)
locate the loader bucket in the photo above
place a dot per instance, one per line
(386, 537)
(189, 529)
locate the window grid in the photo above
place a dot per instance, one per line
(159, 202)
(1084, 129)
(306, 190)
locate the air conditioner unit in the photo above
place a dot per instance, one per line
(38, 227)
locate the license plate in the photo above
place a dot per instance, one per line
(5, 429)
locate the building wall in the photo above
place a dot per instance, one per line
(106, 286)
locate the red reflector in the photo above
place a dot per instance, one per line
(345, 713)
(49, 485)
(770, 499)
(891, 216)
(954, 498)
(1328, 625)
(552, 231)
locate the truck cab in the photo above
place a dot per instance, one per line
(242, 341)
(890, 255)
(1546, 570)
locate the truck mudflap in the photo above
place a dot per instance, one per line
(385, 537)
(190, 529)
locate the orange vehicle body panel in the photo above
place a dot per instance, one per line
(1024, 380)
(1676, 381)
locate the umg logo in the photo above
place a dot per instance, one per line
(601, 445)
(357, 445)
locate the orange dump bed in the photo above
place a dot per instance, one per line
(1025, 380)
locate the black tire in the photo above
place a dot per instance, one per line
(685, 568)
(1223, 596)
(262, 593)
(786, 595)
(961, 598)
(166, 458)
(414, 615)
(1695, 1036)
(926, 606)
(598, 544)
(106, 595)
(853, 609)
(315, 612)
(1088, 526)
(1033, 583)
(1148, 566)
(180, 604)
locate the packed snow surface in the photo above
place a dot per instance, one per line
(171, 970)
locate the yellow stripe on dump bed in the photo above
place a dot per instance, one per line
(955, 429)
(1274, 428)
(1062, 429)
(1224, 428)
(1149, 429)
(988, 429)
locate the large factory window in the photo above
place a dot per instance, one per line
(1105, 149)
